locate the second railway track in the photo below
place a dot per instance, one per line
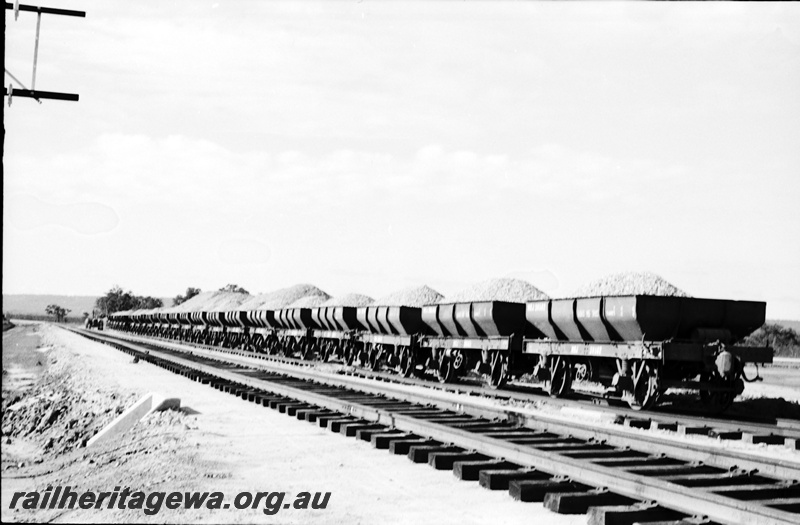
(572, 468)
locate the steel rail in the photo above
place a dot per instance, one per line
(663, 415)
(482, 407)
(684, 499)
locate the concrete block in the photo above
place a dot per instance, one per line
(148, 404)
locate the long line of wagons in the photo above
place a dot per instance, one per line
(631, 347)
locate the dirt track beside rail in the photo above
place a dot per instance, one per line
(220, 443)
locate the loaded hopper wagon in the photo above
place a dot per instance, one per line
(631, 347)
(636, 346)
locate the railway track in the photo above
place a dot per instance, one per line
(664, 418)
(608, 473)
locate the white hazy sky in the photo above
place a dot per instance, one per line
(369, 146)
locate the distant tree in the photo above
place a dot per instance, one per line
(785, 341)
(58, 312)
(233, 288)
(148, 303)
(190, 292)
(118, 300)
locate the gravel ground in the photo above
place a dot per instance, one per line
(418, 296)
(629, 283)
(511, 290)
(220, 443)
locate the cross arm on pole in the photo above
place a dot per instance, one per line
(47, 10)
(32, 93)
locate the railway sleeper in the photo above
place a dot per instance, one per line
(630, 514)
(535, 490)
(421, 452)
(334, 424)
(311, 414)
(292, 410)
(352, 429)
(718, 479)
(403, 446)
(604, 453)
(365, 434)
(500, 479)
(579, 502)
(624, 462)
(383, 440)
(471, 470)
(673, 470)
(769, 439)
(447, 460)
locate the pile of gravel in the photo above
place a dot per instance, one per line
(350, 299)
(309, 301)
(283, 298)
(211, 302)
(510, 290)
(150, 311)
(419, 296)
(629, 283)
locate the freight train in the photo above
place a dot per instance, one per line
(632, 348)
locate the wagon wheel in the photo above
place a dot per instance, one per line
(374, 361)
(646, 385)
(560, 376)
(408, 364)
(309, 348)
(716, 402)
(450, 365)
(498, 374)
(583, 371)
(349, 354)
(286, 347)
(362, 357)
(445, 371)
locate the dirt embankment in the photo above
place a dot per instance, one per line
(52, 404)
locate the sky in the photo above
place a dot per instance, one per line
(372, 146)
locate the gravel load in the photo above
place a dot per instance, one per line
(350, 299)
(510, 290)
(418, 296)
(629, 283)
(283, 298)
(309, 301)
(211, 302)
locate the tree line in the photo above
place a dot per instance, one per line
(119, 300)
